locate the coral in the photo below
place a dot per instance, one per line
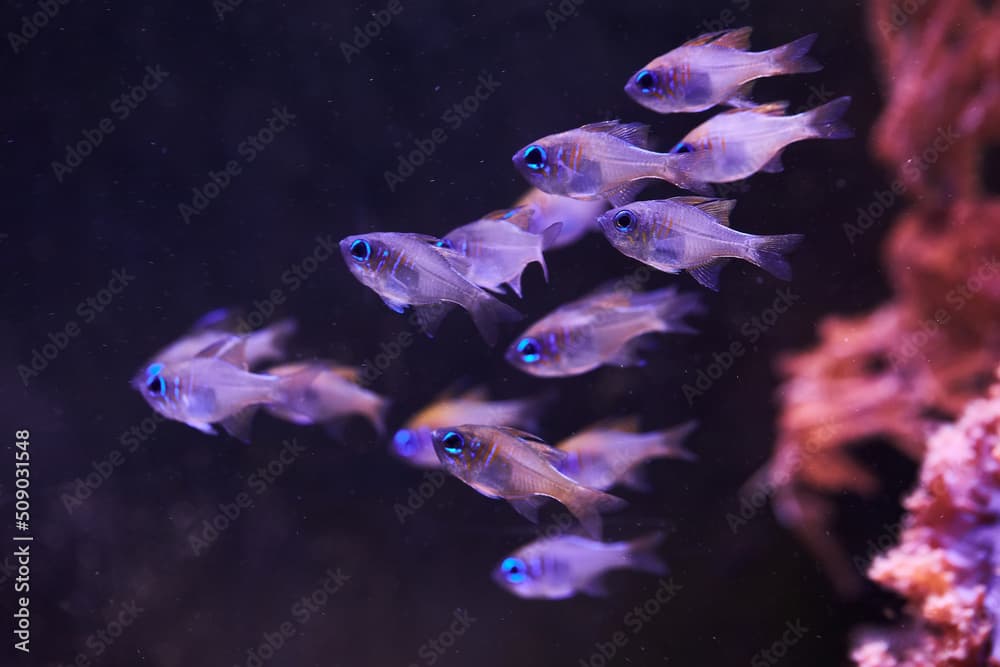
(946, 562)
(921, 357)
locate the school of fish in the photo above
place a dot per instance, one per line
(583, 180)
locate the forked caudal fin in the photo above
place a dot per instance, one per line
(824, 122)
(791, 58)
(642, 553)
(768, 252)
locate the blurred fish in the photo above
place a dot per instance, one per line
(499, 251)
(556, 568)
(214, 386)
(410, 270)
(413, 442)
(611, 452)
(714, 68)
(263, 345)
(601, 328)
(333, 394)
(693, 234)
(501, 462)
(735, 144)
(578, 217)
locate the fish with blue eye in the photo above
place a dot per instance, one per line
(496, 252)
(612, 452)
(413, 442)
(603, 328)
(608, 160)
(412, 270)
(693, 234)
(714, 68)
(501, 462)
(557, 568)
(214, 386)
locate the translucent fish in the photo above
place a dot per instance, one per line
(611, 452)
(736, 144)
(411, 270)
(214, 386)
(263, 345)
(498, 251)
(578, 217)
(413, 442)
(692, 234)
(602, 328)
(556, 568)
(501, 462)
(333, 395)
(714, 68)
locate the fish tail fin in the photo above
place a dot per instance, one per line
(291, 389)
(274, 338)
(550, 235)
(587, 505)
(668, 443)
(671, 307)
(642, 554)
(791, 58)
(768, 252)
(825, 122)
(376, 409)
(489, 313)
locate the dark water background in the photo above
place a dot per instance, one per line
(333, 507)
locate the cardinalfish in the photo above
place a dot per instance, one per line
(556, 568)
(578, 217)
(612, 452)
(413, 442)
(736, 144)
(333, 395)
(498, 251)
(214, 386)
(601, 328)
(715, 68)
(411, 270)
(501, 462)
(692, 234)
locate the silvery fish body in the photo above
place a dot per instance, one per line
(410, 270)
(611, 453)
(714, 68)
(556, 568)
(692, 234)
(214, 386)
(599, 329)
(498, 251)
(413, 442)
(578, 216)
(333, 394)
(738, 143)
(263, 345)
(501, 462)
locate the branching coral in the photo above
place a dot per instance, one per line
(925, 354)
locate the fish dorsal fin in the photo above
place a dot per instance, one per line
(231, 349)
(636, 134)
(459, 262)
(717, 208)
(768, 109)
(738, 38)
(544, 450)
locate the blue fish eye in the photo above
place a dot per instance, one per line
(624, 220)
(156, 385)
(534, 157)
(361, 250)
(646, 81)
(530, 350)
(682, 147)
(445, 243)
(513, 570)
(404, 442)
(453, 442)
